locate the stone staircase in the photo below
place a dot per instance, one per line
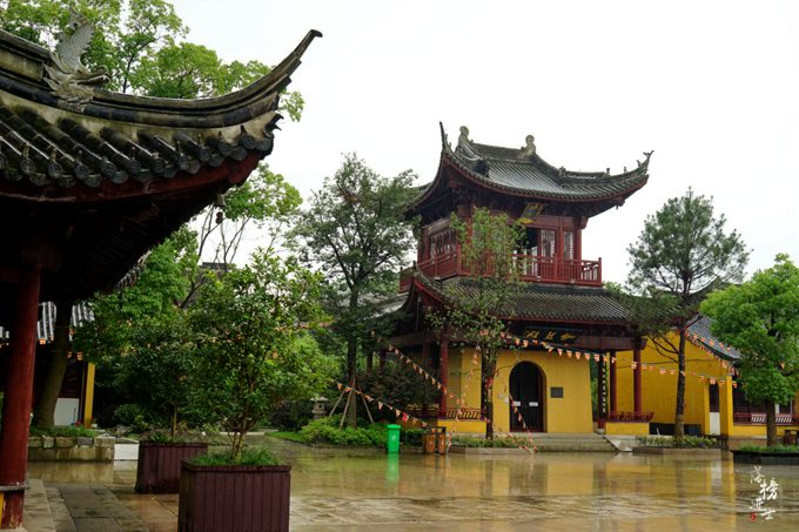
(566, 442)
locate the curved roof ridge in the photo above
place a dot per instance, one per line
(28, 80)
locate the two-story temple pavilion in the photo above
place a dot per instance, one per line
(562, 300)
(89, 181)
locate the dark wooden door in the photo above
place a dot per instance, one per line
(526, 388)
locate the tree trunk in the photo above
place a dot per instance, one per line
(352, 352)
(486, 403)
(771, 424)
(370, 356)
(679, 413)
(44, 411)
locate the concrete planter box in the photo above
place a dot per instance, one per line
(765, 458)
(158, 468)
(678, 452)
(461, 449)
(60, 449)
(234, 498)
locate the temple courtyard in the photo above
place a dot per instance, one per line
(365, 490)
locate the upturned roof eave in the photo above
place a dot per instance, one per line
(423, 284)
(231, 109)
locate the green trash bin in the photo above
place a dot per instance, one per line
(392, 445)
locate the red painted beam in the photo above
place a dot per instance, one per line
(18, 398)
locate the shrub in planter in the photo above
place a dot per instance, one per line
(253, 351)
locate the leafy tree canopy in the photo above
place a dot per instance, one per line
(761, 319)
(139, 43)
(354, 230)
(253, 350)
(683, 253)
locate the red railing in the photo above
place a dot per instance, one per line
(556, 270)
(432, 412)
(759, 418)
(533, 268)
(630, 417)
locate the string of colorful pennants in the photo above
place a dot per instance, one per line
(588, 355)
(404, 416)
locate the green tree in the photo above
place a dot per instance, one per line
(681, 256)
(253, 347)
(355, 231)
(761, 319)
(488, 243)
(139, 44)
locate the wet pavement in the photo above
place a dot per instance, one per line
(336, 489)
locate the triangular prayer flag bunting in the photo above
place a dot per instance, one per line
(633, 364)
(379, 405)
(577, 354)
(525, 344)
(682, 373)
(596, 357)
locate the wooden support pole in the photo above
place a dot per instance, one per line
(443, 368)
(637, 373)
(613, 381)
(18, 398)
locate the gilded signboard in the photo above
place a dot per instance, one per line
(552, 334)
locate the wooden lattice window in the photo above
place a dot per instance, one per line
(442, 244)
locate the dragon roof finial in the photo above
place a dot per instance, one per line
(69, 78)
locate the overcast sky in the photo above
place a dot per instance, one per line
(711, 86)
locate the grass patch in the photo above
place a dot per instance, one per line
(64, 432)
(686, 442)
(504, 442)
(255, 456)
(376, 434)
(286, 435)
(765, 449)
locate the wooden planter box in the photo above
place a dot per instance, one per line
(234, 498)
(765, 458)
(159, 465)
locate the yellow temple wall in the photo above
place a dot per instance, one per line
(571, 413)
(659, 392)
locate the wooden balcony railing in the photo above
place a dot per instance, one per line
(759, 418)
(630, 417)
(533, 268)
(432, 412)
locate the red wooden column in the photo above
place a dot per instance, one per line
(443, 368)
(18, 398)
(637, 372)
(612, 381)
(600, 393)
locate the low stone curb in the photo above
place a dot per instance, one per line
(677, 452)
(79, 449)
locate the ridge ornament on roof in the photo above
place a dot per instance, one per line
(69, 78)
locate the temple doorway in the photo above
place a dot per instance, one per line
(527, 391)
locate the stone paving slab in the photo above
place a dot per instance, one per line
(94, 508)
(37, 515)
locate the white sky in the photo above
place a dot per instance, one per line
(711, 86)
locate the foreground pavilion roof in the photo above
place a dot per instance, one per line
(90, 179)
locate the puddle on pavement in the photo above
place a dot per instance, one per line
(553, 491)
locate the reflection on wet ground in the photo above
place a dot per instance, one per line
(551, 491)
